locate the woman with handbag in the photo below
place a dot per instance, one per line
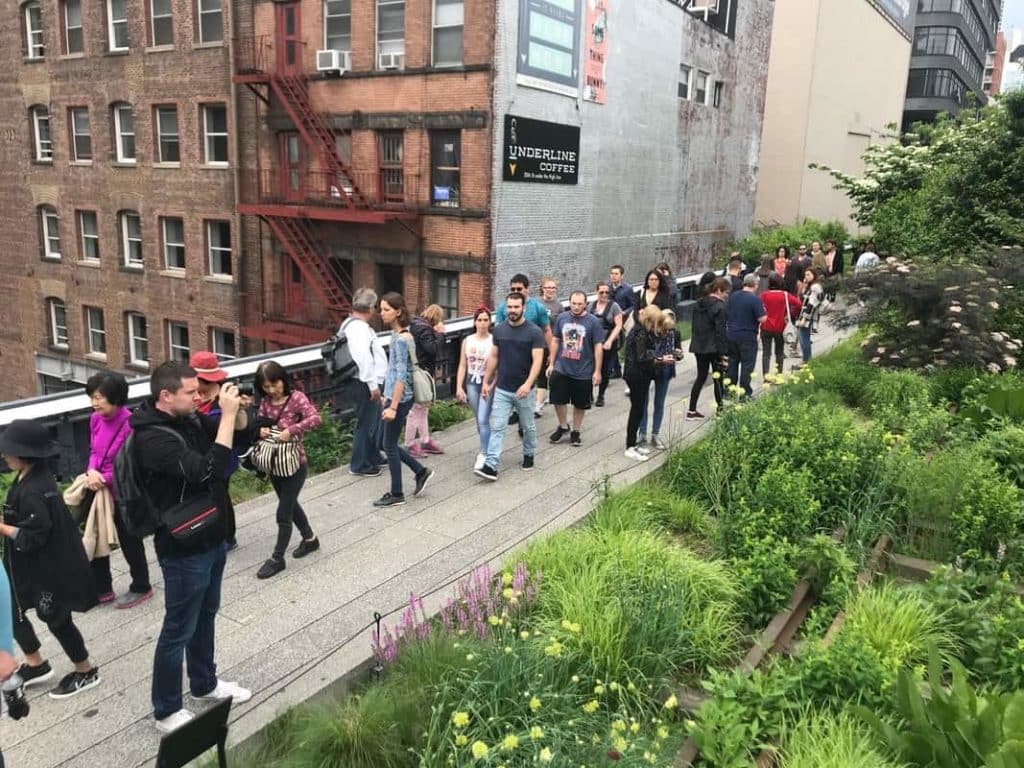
(108, 429)
(708, 343)
(398, 401)
(812, 296)
(284, 416)
(44, 560)
(781, 307)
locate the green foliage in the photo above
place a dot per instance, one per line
(836, 741)
(764, 241)
(902, 402)
(445, 413)
(329, 445)
(950, 385)
(1005, 447)
(648, 507)
(822, 561)
(842, 371)
(766, 576)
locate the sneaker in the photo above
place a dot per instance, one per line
(694, 415)
(382, 460)
(431, 446)
(390, 500)
(656, 443)
(635, 455)
(107, 597)
(174, 721)
(271, 567)
(375, 472)
(599, 403)
(305, 547)
(559, 433)
(574, 439)
(642, 449)
(641, 439)
(625, 391)
(131, 599)
(487, 472)
(538, 411)
(416, 451)
(35, 675)
(76, 682)
(226, 690)
(481, 459)
(527, 463)
(422, 478)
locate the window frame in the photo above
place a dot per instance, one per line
(127, 261)
(388, 45)
(392, 172)
(696, 87)
(218, 339)
(435, 28)
(717, 91)
(47, 215)
(40, 113)
(94, 334)
(158, 110)
(133, 337)
(119, 132)
(341, 16)
(441, 294)
(74, 136)
(52, 305)
(170, 327)
(217, 252)
(113, 24)
(209, 135)
(35, 48)
(688, 70)
(154, 17)
(166, 244)
(200, 13)
(436, 138)
(84, 238)
(64, 6)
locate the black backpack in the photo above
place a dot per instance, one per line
(338, 357)
(134, 507)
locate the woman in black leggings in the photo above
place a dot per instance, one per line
(638, 372)
(708, 341)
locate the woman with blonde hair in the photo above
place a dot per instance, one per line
(428, 333)
(669, 351)
(638, 372)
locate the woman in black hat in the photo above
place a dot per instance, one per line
(45, 560)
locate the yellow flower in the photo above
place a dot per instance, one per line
(716, 375)
(613, 686)
(619, 725)
(662, 732)
(570, 626)
(508, 649)
(631, 687)
(590, 706)
(634, 727)
(619, 742)
(575, 678)
(493, 621)
(546, 756)
(510, 742)
(535, 704)
(524, 635)
(470, 657)
(460, 719)
(508, 593)
(671, 702)
(598, 689)
(536, 733)
(554, 650)
(461, 740)
(480, 750)
(506, 579)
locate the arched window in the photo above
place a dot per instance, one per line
(49, 232)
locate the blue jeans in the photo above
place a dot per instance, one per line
(660, 393)
(191, 600)
(805, 343)
(391, 443)
(481, 406)
(503, 403)
(742, 356)
(364, 438)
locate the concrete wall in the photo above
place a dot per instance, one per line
(659, 178)
(822, 107)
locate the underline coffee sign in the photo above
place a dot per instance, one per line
(541, 152)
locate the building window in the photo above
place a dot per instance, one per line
(74, 40)
(96, 332)
(41, 141)
(215, 134)
(445, 155)
(716, 94)
(168, 148)
(33, 30)
(222, 344)
(211, 21)
(57, 316)
(124, 133)
(177, 341)
(89, 235)
(172, 230)
(218, 246)
(390, 34)
(720, 15)
(700, 91)
(448, 15)
(49, 232)
(138, 340)
(117, 25)
(130, 225)
(161, 20)
(81, 140)
(338, 25)
(685, 81)
(940, 83)
(392, 180)
(444, 291)
(948, 41)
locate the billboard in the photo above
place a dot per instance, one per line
(899, 12)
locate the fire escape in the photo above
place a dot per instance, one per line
(325, 188)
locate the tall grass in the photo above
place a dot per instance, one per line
(831, 741)
(650, 507)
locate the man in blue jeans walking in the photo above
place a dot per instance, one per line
(176, 467)
(511, 371)
(363, 392)
(744, 315)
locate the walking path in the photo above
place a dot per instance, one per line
(291, 636)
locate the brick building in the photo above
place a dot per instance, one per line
(210, 174)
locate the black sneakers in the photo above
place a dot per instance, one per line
(527, 463)
(574, 439)
(559, 433)
(35, 675)
(76, 682)
(422, 479)
(599, 403)
(272, 567)
(390, 500)
(305, 547)
(487, 472)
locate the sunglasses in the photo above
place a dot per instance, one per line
(602, 293)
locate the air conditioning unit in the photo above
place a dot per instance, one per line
(391, 61)
(703, 6)
(333, 61)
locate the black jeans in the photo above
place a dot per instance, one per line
(767, 339)
(58, 620)
(134, 552)
(706, 364)
(289, 511)
(638, 392)
(609, 368)
(742, 356)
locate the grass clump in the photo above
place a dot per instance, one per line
(649, 507)
(833, 740)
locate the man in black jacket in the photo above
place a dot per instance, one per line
(176, 470)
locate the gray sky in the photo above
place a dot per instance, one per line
(1013, 13)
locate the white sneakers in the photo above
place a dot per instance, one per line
(174, 721)
(481, 459)
(226, 690)
(635, 454)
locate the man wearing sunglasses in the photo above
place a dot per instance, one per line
(605, 309)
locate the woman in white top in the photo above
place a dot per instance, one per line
(470, 378)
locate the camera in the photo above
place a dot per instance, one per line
(14, 697)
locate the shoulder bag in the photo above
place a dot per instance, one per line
(789, 334)
(424, 389)
(272, 457)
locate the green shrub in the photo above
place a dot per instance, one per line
(330, 445)
(949, 385)
(445, 413)
(764, 241)
(902, 402)
(842, 371)
(833, 740)
(766, 577)
(1005, 447)
(647, 507)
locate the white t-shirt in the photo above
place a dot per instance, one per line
(477, 352)
(367, 352)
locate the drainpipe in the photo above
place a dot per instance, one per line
(236, 175)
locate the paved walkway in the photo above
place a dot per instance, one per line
(289, 637)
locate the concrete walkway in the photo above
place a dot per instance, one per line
(291, 636)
